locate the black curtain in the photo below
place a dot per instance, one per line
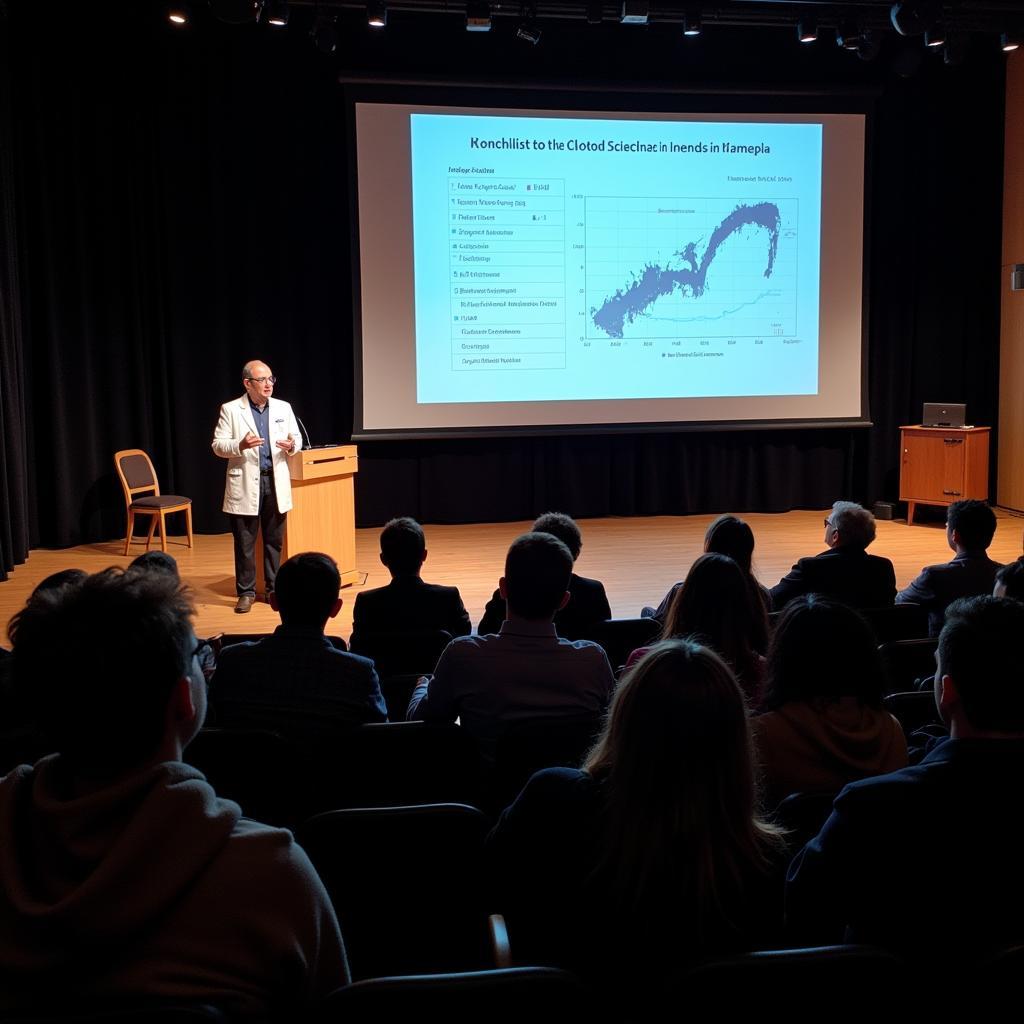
(182, 205)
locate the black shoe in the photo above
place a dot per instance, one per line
(244, 604)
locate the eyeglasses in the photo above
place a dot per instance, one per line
(828, 522)
(263, 380)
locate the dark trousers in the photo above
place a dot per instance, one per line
(245, 528)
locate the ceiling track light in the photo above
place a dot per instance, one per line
(276, 13)
(935, 37)
(635, 12)
(1009, 41)
(807, 30)
(692, 24)
(325, 34)
(848, 34)
(179, 14)
(913, 17)
(528, 31)
(376, 15)
(478, 17)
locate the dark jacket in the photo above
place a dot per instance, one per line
(588, 604)
(408, 604)
(845, 574)
(939, 586)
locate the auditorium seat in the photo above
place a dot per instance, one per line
(508, 996)
(907, 661)
(403, 653)
(620, 637)
(914, 709)
(407, 886)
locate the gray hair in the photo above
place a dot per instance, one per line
(854, 523)
(247, 369)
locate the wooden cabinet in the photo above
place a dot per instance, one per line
(940, 465)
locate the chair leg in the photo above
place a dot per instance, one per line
(131, 528)
(188, 524)
(163, 531)
(152, 530)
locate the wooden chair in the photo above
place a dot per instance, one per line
(136, 473)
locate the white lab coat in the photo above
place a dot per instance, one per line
(242, 486)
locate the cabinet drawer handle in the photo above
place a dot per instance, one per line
(952, 440)
(955, 494)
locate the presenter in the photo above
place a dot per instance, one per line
(256, 433)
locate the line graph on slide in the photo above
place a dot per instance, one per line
(689, 268)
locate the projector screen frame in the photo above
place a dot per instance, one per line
(593, 98)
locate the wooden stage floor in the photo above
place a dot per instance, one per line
(637, 559)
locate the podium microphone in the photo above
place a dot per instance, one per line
(302, 427)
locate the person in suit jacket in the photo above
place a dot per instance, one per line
(970, 527)
(926, 860)
(256, 433)
(845, 572)
(296, 678)
(1010, 581)
(407, 603)
(588, 603)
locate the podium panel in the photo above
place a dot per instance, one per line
(323, 515)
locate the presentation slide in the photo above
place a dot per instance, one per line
(566, 259)
(549, 269)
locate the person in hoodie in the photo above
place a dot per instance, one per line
(122, 875)
(824, 724)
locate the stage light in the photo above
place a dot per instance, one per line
(692, 24)
(634, 12)
(807, 30)
(277, 13)
(595, 12)
(179, 14)
(528, 31)
(848, 35)
(934, 37)
(913, 17)
(376, 15)
(325, 35)
(478, 17)
(1009, 41)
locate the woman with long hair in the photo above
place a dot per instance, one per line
(653, 851)
(824, 724)
(716, 606)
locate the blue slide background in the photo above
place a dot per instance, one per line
(553, 274)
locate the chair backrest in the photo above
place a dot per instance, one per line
(620, 637)
(528, 746)
(507, 996)
(807, 980)
(396, 763)
(914, 709)
(907, 661)
(136, 473)
(897, 622)
(406, 885)
(402, 653)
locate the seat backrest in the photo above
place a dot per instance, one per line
(507, 996)
(620, 637)
(913, 709)
(406, 884)
(136, 473)
(401, 653)
(906, 661)
(897, 622)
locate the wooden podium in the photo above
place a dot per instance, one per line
(940, 465)
(323, 515)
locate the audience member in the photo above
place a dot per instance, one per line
(716, 606)
(824, 724)
(654, 851)
(525, 671)
(161, 561)
(726, 535)
(122, 875)
(407, 604)
(927, 860)
(588, 603)
(970, 527)
(845, 572)
(296, 678)
(1010, 581)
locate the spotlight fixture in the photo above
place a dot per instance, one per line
(478, 17)
(692, 24)
(595, 12)
(376, 15)
(528, 31)
(913, 17)
(807, 30)
(848, 34)
(935, 37)
(635, 12)
(869, 46)
(179, 14)
(955, 50)
(325, 35)
(276, 12)
(1009, 41)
